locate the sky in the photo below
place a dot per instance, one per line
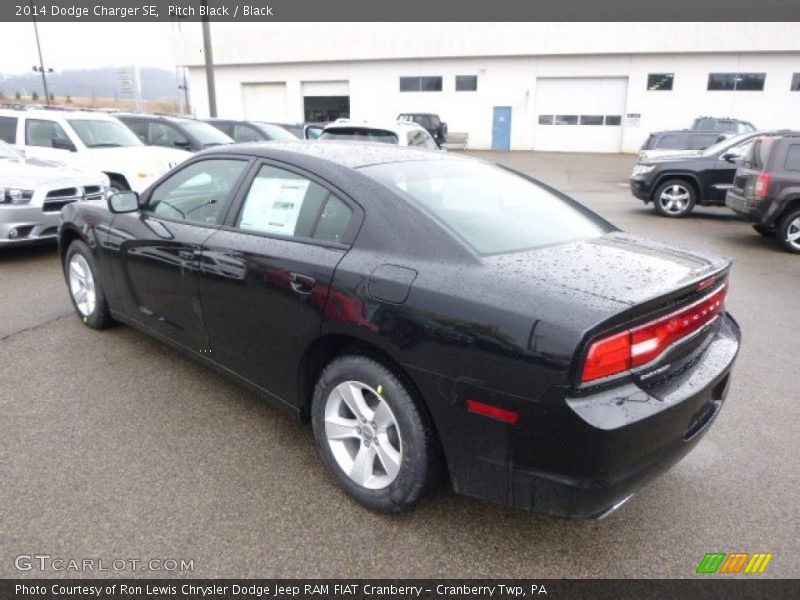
(87, 45)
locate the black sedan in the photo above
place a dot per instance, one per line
(676, 183)
(431, 315)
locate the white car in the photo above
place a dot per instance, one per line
(402, 133)
(32, 192)
(88, 140)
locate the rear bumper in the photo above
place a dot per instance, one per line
(750, 209)
(581, 457)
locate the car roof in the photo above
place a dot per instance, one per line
(150, 117)
(44, 113)
(394, 126)
(339, 152)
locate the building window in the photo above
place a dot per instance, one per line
(795, 82)
(545, 119)
(613, 119)
(737, 82)
(420, 84)
(660, 82)
(566, 119)
(591, 119)
(466, 83)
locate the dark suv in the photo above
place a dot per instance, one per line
(766, 188)
(429, 121)
(676, 183)
(173, 132)
(663, 143)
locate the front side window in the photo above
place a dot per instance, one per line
(660, 82)
(8, 130)
(746, 82)
(100, 133)
(287, 204)
(491, 209)
(46, 134)
(162, 134)
(699, 142)
(198, 192)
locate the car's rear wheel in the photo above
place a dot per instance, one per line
(674, 198)
(789, 231)
(765, 231)
(372, 436)
(84, 286)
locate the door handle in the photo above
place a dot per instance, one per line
(302, 284)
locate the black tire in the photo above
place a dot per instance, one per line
(674, 198)
(99, 316)
(418, 454)
(790, 226)
(765, 231)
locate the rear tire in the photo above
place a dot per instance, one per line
(371, 435)
(789, 231)
(85, 289)
(765, 231)
(674, 198)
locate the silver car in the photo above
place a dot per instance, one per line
(32, 192)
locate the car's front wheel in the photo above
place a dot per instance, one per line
(84, 286)
(372, 436)
(789, 231)
(674, 198)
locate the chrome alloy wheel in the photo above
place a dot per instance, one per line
(363, 435)
(81, 285)
(793, 233)
(675, 199)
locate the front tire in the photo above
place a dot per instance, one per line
(84, 286)
(371, 435)
(789, 231)
(674, 198)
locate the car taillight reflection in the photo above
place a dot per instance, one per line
(640, 345)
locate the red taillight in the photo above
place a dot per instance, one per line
(634, 347)
(762, 185)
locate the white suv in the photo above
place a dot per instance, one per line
(88, 140)
(403, 133)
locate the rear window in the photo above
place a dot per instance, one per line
(360, 134)
(793, 158)
(491, 209)
(673, 141)
(758, 155)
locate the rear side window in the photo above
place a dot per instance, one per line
(673, 141)
(243, 133)
(759, 153)
(284, 203)
(493, 210)
(700, 142)
(8, 130)
(161, 134)
(138, 127)
(793, 158)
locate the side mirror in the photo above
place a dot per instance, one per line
(123, 202)
(62, 144)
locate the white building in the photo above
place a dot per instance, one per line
(592, 87)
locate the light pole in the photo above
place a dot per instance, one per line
(212, 94)
(40, 68)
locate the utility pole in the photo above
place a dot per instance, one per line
(212, 94)
(41, 61)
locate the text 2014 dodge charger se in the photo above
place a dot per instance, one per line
(420, 310)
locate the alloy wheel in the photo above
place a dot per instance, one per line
(793, 233)
(675, 199)
(363, 435)
(81, 285)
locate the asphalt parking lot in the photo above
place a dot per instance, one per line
(114, 446)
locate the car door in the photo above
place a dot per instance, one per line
(48, 140)
(720, 177)
(265, 275)
(159, 248)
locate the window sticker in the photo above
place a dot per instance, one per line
(273, 205)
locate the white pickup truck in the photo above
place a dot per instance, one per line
(88, 140)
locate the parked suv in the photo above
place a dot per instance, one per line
(402, 133)
(174, 132)
(676, 183)
(430, 122)
(664, 143)
(89, 141)
(723, 124)
(766, 188)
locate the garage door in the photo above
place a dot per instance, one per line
(579, 114)
(264, 101)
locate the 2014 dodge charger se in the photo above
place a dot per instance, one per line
(422, 311)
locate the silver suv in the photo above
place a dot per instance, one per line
(32, 192)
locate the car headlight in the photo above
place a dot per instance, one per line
(15, 196)
(642, 169)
